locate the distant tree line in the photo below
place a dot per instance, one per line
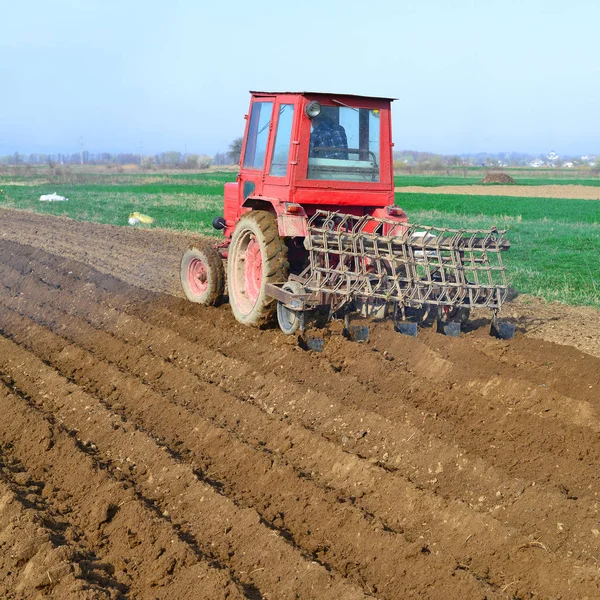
(172, 159)
(412, 160)
(404, 160)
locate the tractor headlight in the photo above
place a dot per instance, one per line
(313, 109)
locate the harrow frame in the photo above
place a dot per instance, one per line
(380, 264)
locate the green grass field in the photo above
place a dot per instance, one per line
(183, 202)
(555, 249)
(555, 243)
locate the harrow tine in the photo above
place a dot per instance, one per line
(311, 343)
(449, 328)
(357, 333)
(502, 329)
(406, 328)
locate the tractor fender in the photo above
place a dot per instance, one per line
(392, 215)
(292, 220)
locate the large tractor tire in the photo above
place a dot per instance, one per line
(257, 256)
(202, 275)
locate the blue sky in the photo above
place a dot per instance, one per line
(128, 75)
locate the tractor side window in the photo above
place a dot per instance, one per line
(344, 144)
(258, 135)
(282, 141)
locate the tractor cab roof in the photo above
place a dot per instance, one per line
(328, 94)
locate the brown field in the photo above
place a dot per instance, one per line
(575, 192)
(151, 448)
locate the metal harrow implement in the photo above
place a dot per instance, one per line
(380, 267)
(351, 257)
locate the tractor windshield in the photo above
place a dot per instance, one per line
(344, 144)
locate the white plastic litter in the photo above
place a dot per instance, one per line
(52, 198)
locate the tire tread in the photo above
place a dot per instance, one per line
(275, 266)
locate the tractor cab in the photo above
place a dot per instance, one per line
(304, 152)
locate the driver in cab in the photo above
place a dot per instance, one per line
(328, 138)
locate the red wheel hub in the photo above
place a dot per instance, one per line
(253, 270)
(197, 276)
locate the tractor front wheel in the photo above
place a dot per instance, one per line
(202, 275)
(257, 256)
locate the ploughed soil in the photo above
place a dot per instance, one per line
(152, 448)
(570, 191)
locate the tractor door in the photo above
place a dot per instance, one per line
(268, 158)
(256, 147)
(269, 154)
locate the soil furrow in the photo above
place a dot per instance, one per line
(254, 479)
(258, 556)
(99, 246)
(500, 505)
(39, 552)
(120, 537)
(131, 357)
(503, 506)
(366, 433)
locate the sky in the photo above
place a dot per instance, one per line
(150, 76)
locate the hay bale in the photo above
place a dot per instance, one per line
(498, 178)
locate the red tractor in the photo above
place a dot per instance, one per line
(311, 227)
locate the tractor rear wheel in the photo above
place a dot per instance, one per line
(202, 275)
(257, 256)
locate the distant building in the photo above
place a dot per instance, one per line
(537, 163)
(568, 165)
